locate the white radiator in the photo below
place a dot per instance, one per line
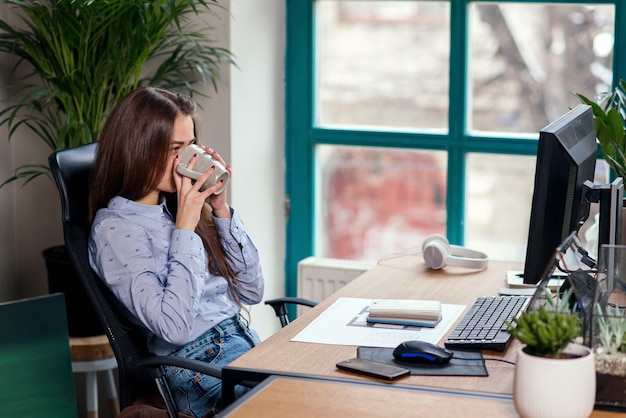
(319, 277)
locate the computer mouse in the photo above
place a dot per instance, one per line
(421, 352)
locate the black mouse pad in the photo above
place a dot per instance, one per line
(463, 363)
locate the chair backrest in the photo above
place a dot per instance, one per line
(71, 169)
(36, 377)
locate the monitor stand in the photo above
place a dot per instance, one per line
(611, 202)
(610, 227)
(610, 197)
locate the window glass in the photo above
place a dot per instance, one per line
(499, 191)
(526, 60)
(382, 64)
(377, 201)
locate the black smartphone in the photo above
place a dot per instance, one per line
(371, 368)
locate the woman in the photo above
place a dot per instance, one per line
(177, 258)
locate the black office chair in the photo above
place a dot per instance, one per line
(280, 306)
(140, 372)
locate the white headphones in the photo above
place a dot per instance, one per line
(438, 253)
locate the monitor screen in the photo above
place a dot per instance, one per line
(566, 158)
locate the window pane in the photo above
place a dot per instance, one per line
(382, 64)
(376, 201)
(499, 192)
(527, 59)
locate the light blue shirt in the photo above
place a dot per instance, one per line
(161, 275)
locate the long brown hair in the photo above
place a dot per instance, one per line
(133, 150)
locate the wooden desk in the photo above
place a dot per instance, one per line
(282, 397)
(403, 278)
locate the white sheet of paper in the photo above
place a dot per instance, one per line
(344, 323)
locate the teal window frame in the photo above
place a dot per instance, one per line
(301, 134)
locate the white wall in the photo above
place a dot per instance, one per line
(257, 126)
(244, 122)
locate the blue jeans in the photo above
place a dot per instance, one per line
(196, 393)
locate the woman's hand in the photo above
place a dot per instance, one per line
(190, 199)
(218, 201)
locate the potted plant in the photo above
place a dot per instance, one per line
(606, 334)
(609, 113)
(74, 59)
(609, 346)
(609, 119)
(86, 55)
(554, 376)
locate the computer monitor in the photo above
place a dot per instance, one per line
(566, 158)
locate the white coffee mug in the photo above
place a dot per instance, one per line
(203, 163)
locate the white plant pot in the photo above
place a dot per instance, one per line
(547, 387)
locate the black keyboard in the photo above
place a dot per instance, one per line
(483, 327)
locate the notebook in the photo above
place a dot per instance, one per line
(420, 313)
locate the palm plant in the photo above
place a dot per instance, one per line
(87, 54)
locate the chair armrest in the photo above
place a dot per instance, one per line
(280, 308)
(290, 299)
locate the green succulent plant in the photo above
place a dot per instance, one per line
(612, 327)
(547, 330)
(609, 112)
(75, 59)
